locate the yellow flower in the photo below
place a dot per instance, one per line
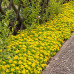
(20, 62)
(8, 46)
(13, 47)
(7, 70)
(21, 58)
(25, 54)
(41, 46)
(24, 49)
(39, 69)
(20, 54)
(19, 71)
(23, 71)
(7, 66)
(9, 49)
(12, 69)
(4, 62)
(35, 71)
(20, 46)
(33, 65)
(0, 50)
(22, 66)
(16, 57)
(16, 51)
(9, 57)
(38, 72)
(29, 68)
(22, 35)
(10, 61)
(3, 67)
(13, 65)
(54, 53)
(29, 63)
(26, 65)
(24, 59)
(37, 62)
(15, 62)
(27, 71)
(43, 65)
(17, 68)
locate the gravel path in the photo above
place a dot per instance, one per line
(63, 61)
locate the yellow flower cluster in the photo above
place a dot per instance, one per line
(29, 53)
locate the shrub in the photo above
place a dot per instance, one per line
(4, 33)
(24, 13)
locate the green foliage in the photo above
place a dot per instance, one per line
(52, 9)
(4, 32)
(29, 53)
(31, 12)
(16, 2)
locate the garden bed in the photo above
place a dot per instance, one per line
(28, 52)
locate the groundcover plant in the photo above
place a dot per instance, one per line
(27, 53)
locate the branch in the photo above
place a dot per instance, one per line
(0, 3)
(17, 15)
(17, 12)
(10, 4)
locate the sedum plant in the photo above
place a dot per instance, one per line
(29, 53)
